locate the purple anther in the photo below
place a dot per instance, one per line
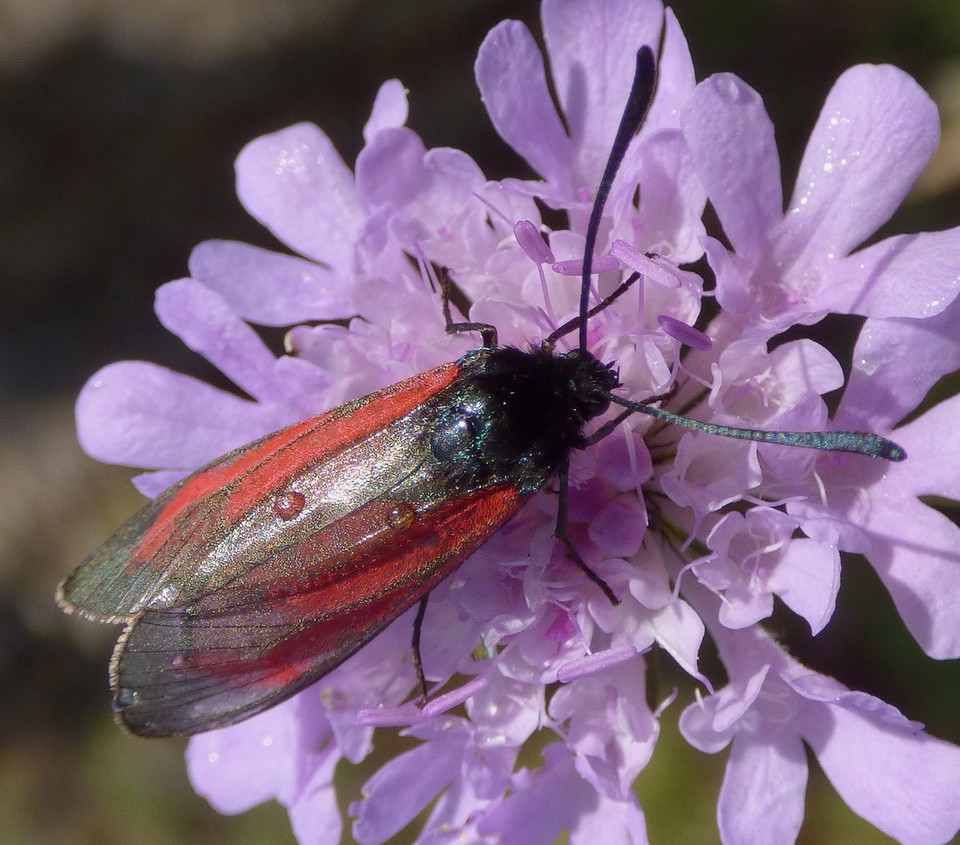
(593, 663)
(454, 698)
(687, 335)
(574, 266)
(533, 243)
(650, 267)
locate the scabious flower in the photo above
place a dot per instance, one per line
(696, 534)
(875, 134)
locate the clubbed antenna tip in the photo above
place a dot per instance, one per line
(858, 442)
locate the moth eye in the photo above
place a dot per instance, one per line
(402, 515)
(288, 504)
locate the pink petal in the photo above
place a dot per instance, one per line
(914, 550)
(449, 214)
(762, 796)
(675, 78)
(933, 450)
(874, 136)
(152, 484)
(708, 473)
(679, 631)
(710, 724)
(624, 464)
(139, 414)
(733, 148)
(815, 687)
(651, 587)
(306, 386)
(401, 788)
(592, 45)
(513, 85)
(619, 527)
(672, 197)
(733, 272)
(390, 109)
(615, 734)
(757, 387)
(509, 710)
(315, 814)
(913, 547)
(205, 322)
(612, 823)
(295, 183)
(900, 780)
(807, 578)
(390, 170)
(735, 700)
(457, 808)
(745, 604)
(903, 276)
(448, 639)
(267, 756)
(895, 363)
(270, 288)
(554, 799)
(697, 729)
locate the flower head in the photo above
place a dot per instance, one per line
(694, 533)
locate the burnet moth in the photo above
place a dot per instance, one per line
(266, 569)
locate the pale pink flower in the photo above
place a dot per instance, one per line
(695, 533)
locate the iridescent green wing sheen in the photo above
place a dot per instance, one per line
(206, 531)
(245, 647)
(266, 569)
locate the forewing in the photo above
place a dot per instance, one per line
(243, 648)
(214, 526)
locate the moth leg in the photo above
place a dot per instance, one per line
(487, 332)
(606, 429)
(417, 660)
(560, 532)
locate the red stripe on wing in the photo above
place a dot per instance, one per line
(262, 468)
(244, 648)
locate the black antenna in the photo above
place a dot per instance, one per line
(638, 104)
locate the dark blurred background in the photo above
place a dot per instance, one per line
(119, 122)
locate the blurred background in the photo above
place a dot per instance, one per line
(119, 123)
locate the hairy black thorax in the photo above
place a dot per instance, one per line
(516, 414)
